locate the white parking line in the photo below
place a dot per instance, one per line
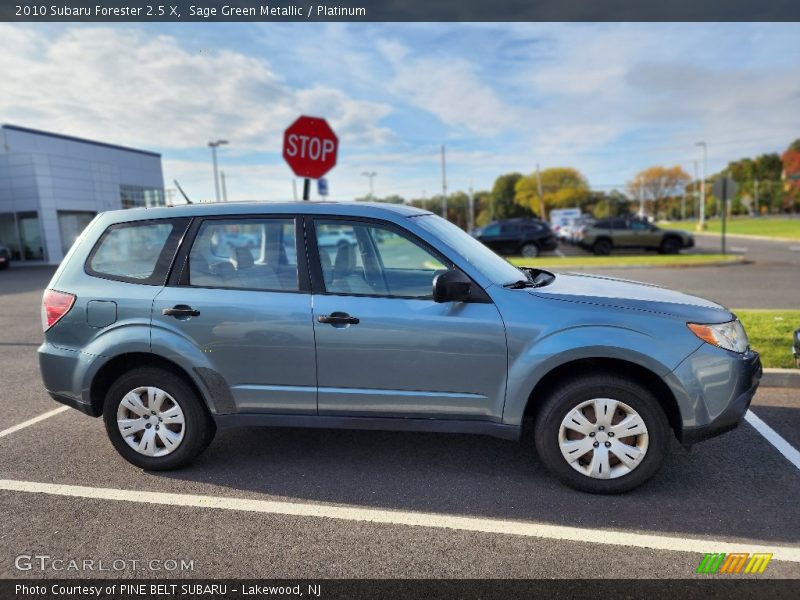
(414, 519)
(738, 249)
(794, 248)
(33, 421)
(772, 436)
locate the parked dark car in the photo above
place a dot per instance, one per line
(5, 256)
(630, 232)
(796, 348)
(518, 237)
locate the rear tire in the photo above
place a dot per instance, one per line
(642, 418)
(602, 247)
(153, 402)
(529, 250)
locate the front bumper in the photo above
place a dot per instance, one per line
(720, 390)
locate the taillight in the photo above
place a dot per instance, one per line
(54, 306)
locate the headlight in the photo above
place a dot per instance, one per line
(730, 335)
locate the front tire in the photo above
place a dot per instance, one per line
(671, 245)
(602, 434)
(155, 419)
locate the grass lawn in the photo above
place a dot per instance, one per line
(770, 333)
(785, 228)
(647, 260)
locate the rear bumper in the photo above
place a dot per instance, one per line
(86, 409)
(548, 243)
(60, 369)
(743, 377)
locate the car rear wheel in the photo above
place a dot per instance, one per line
(602, 434)
(602, 247)
(530, 250)
(155, 420)
(671, 245)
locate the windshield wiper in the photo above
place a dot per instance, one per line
(518, 285)
(535, 278)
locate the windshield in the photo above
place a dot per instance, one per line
(479, 256)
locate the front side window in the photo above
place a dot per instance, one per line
(640, 226)
(255, 254)
(131, 251)
(366, 259)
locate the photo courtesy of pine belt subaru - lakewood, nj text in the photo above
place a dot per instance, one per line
(172, 322)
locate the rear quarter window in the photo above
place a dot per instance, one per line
(137, 252)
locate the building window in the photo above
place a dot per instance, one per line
(70, 225)
(30, 235)
(134, 196)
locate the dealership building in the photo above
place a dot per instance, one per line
(52, 185)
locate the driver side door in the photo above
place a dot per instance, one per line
(384, 347)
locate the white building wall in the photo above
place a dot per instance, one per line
(47, 173)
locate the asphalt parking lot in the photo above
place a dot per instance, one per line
(767, 280)
(273, 503)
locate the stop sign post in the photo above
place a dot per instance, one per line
(310, 148)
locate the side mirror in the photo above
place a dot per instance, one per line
(451, 286)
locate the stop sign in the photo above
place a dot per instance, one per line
(310, 146)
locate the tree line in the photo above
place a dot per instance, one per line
(767, 184)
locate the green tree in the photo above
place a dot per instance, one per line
(562, 187)
(502, 204)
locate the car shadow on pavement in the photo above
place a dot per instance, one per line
(731, 487)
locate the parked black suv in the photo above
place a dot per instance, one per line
(517, 237)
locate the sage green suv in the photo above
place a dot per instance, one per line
(630, 232)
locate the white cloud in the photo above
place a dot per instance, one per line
(450, 88)
(126, 86)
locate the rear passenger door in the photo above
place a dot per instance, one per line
(239, 303)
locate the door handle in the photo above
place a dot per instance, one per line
(338, 318)
(180, 311)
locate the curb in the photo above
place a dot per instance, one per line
(781, 378)
(745, 236)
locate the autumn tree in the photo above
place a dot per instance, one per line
(562, 187)
(656, 184)
(791, 174)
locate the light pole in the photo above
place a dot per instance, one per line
(701, 224)
(214, 145)
(444, 185)
(371, 176)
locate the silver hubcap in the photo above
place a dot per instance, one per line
(603, 438)
(151, 421)
(530, 251)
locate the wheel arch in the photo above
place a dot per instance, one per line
(625, 368)
(115, 367)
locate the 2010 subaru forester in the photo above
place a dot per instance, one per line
(172, 322)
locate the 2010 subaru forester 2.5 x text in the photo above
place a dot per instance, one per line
(171, 322)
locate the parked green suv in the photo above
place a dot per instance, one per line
(630, 232)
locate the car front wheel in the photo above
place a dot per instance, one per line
(155, 420)
(602, 434)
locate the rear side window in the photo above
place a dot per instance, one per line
(136, 252)
(252, 254)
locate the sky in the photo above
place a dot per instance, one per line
(607, 99)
